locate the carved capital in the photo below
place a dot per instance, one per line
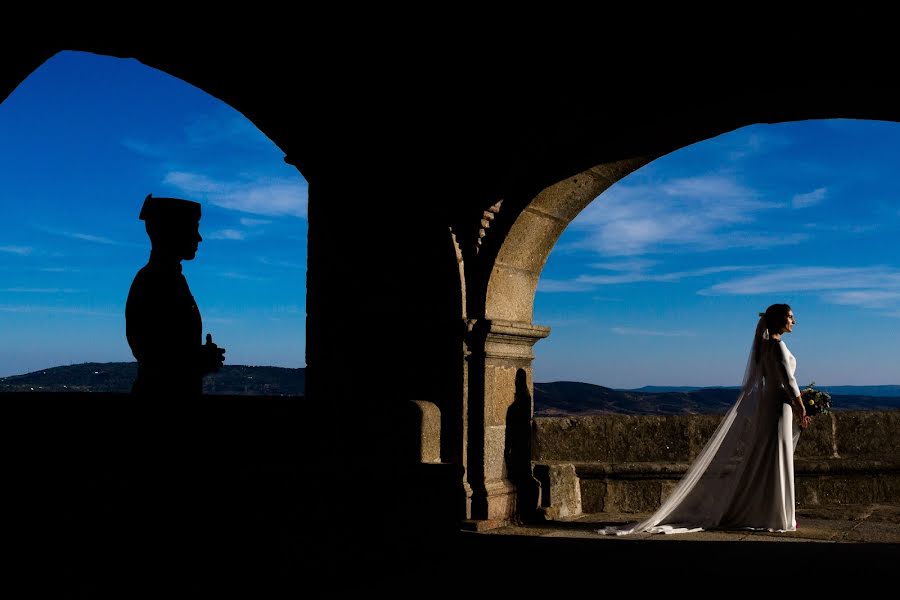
(495, 338)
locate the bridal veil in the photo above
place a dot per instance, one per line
(707, 495)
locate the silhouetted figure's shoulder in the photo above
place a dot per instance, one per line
(162, 322)
(164, 330)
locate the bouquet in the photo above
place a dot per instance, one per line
(816, 402)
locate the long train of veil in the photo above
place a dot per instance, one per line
(706, 495)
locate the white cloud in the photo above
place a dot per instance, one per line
(76, 235)
(218, 128)
(852, 229)
(271, 196)
(698, 213)
(557, 285)
(218, 320)
(809, 199)
(749, 141)
(750, 146)
(281, 263)
(631, 331)
(227, 234)
(242, 276)
(90, 238)
(193, 183)
(661, 277)
(247, 222)
(20, 250)
(704, 187)
(806, 279)
(865, 287)
(866, 298)
(634, 264)
(564, 322)
(69, 310)
(144, 149)
(251, 191)
(621, 275)
(27, 290)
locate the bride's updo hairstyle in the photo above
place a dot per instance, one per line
(775, 317)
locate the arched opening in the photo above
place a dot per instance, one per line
(632, 226)
(375, 294)
(86, 137)
(665, 270)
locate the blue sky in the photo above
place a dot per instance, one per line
(82, 141)
(657, 282)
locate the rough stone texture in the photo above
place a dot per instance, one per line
(813, 491)
(494, 452)
(639, 438)
(634, 470)
(560, 490)
(569, 197)
(565, 438)
(506, 407)
(700, 429)
(499, 393)
(566, 199)
(632, 496)
(593, 495)
(501, 500)
(615, 438)
(512, 291)
(535, 233)
(818, 439)
(667, 486)
(889, 485)
(874, 533)
(863, 433)
(430, 427)
(630, 463)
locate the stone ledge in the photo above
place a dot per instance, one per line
(571, 488)
(679, 438)
(649, 469)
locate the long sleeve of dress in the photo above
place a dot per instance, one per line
(786, 365)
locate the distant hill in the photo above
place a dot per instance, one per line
(118, 377)
(883, 391)
(656, 389)
(559, 398)
(568, 398)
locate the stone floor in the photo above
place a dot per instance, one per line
(868, 523)
(837, 547)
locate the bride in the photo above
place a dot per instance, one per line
(744, 476)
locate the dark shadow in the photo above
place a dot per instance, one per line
(163, 323)
(518, 450)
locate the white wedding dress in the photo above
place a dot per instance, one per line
(744, 476)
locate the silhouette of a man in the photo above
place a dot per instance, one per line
(162, 321)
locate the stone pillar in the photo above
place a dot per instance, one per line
(501, 406)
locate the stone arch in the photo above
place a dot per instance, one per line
(514, 275)
(332, 134)
(521, 243)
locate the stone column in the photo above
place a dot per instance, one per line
(499, 421)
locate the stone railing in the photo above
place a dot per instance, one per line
(622, 463)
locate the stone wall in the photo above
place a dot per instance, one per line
(623, 463)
